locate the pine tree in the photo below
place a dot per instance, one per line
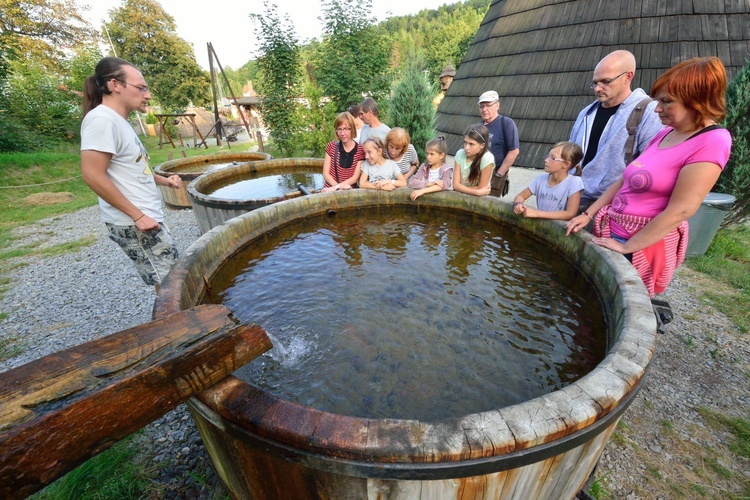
(410, 107)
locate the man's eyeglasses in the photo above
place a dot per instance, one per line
(485, 105)
(142, 88)
(605, 82)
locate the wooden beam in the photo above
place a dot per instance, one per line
(60, 410)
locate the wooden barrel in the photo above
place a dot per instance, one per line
(191, 168)
(267, 447)
(210, 211)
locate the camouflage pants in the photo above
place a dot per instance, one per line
(153, 252)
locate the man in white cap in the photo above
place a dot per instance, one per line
(503, 140)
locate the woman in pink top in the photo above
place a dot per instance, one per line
(643, 215)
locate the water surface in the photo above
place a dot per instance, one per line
(266, 185)
(426, 315)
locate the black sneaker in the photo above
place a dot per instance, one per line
(663, 312)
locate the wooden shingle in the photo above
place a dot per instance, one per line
(539, 56)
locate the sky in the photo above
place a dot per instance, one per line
(230, 30)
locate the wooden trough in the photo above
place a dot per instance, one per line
(62, 409)
(191, 168)
(545, 448)
(210, 211)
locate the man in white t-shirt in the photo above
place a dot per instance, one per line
(370, 114)
(115, 166)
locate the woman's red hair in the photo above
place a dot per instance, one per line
(700, 84)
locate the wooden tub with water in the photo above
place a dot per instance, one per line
(193, 167)
(223, 194)
(266, 446)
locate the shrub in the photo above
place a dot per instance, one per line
(15, 136)
(735, 179)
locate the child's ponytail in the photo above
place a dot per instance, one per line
(571, 152)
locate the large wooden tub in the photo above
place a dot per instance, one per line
(266, 447)
(210, 211)
(191, 168)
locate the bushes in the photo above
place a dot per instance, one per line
(735, 179)
(36, 110)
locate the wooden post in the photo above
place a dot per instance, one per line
(259, 136)
(60, 410)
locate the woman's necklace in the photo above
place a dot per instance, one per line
(674, 137)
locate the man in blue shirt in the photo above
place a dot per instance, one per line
(503, 140)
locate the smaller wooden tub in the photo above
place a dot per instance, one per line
(191, 168)
(211, 211)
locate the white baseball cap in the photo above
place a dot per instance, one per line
(489, 96)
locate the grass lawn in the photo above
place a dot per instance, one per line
(25, 174)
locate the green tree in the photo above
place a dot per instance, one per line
(353, 57)
(410, 106)
(36, 105)
(238, 78)
(40, 30)
(143, 33)
(81, 65)
(280, 73)
(735, 179)
(442, 35)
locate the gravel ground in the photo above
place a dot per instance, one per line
(702, 362)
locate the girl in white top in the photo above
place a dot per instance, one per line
(378, 172)
(558, 194)
(474, 163)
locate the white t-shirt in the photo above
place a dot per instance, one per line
(555, 198)
(381, 131)
(106, 131)
(389, 170)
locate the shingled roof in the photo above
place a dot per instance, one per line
(539, 56)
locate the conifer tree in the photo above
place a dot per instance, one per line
(410, 106)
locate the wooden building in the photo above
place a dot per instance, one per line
(539, 55)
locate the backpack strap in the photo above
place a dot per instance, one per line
(632, 126)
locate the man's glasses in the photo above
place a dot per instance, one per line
(485, 105)
(142, 88)
(605, 82)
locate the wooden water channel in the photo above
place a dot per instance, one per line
(62, 409)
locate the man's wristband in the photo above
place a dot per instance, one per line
(139, 218)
